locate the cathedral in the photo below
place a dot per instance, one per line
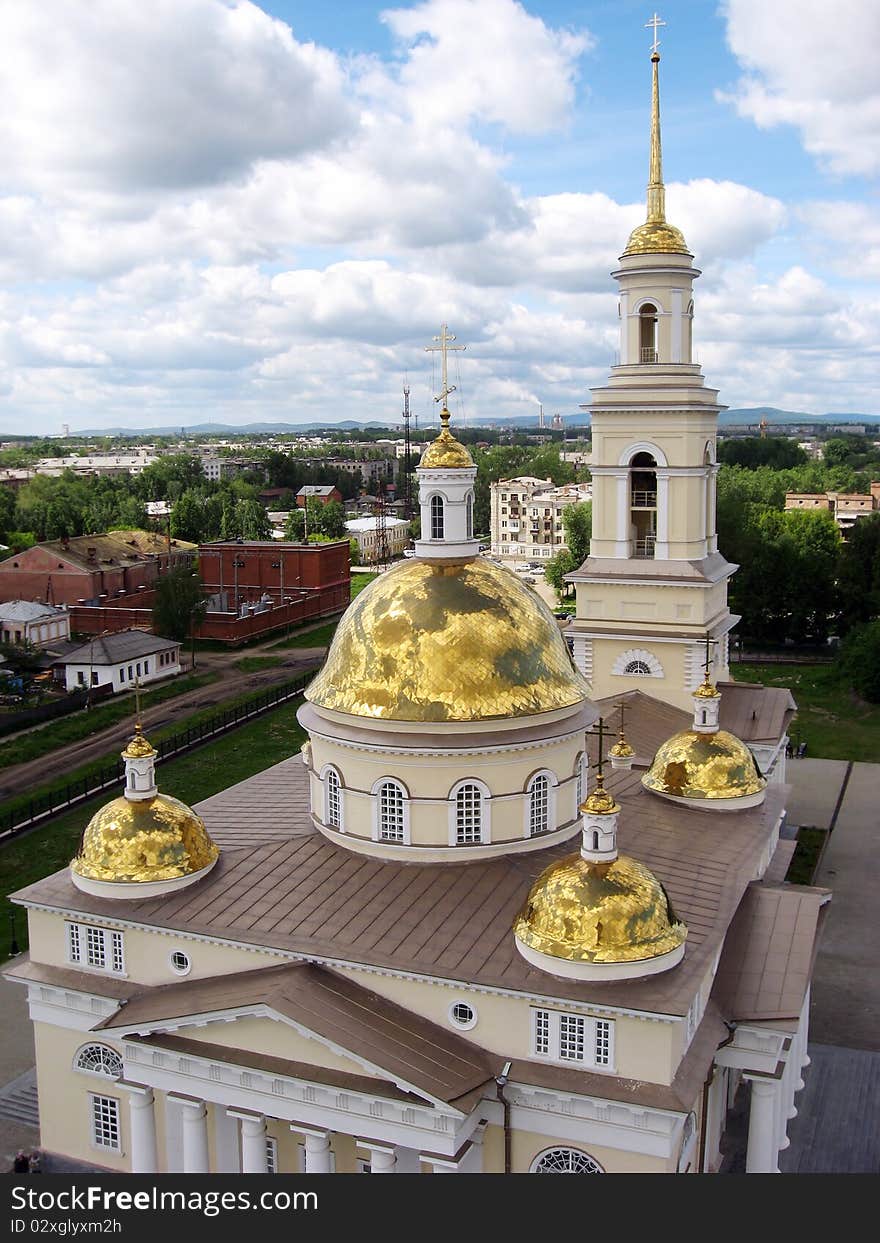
(507, 911)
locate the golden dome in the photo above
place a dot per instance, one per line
(621, 749)
(145, 840)
(706, 690)
(138, 746)
(599, 913)
(714, 767)
(446, 453)
(600, 802)
(656, 237)
(435, 641)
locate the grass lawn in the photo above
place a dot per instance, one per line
(804, 861)
(359, 582)
(191, 777)
(320, 636)
(254, 664)
(833, 722)
(37, 742)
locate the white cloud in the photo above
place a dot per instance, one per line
(814, 66)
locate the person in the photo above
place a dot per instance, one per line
(35, 1162)
(21, 1164)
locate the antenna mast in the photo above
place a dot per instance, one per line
(383, 555)
(407, 461)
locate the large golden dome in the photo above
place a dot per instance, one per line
(587, 912)
(464, 641)
(715, 767)
(157, 839)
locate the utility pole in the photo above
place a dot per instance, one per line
(383, 555)
(407, 464)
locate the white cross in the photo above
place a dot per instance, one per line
(655, 22)
(444, 346)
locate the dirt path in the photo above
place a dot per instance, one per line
(20, 778)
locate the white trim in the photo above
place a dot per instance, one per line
(573, 970)
(579, 1152)
(648, 300)
(375, 795)
(644, 657)
(447, 854)
(485, 811)
(322, 777)
(456, 1023)
(642, 446)
(180, 971)
(552, 785)
(105, 1076)
(553, 1020)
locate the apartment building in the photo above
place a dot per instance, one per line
(526, 517)
(846, 508)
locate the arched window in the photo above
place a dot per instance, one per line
(470, 515)
(437, 524)
(689, 332)
(643, 504)
(391, 822)
(539, 805)
(99, 1059)
(468, 814)
(637, 667)
(565, 1161)
(332, 799)
(648, 333)
(580, 780)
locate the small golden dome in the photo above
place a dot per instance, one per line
(459, 641)
(621, 749)
(656, 237)
(599, 913)
(446, 453)
(706, 690)
(138, 746)
(138, 841)
(714, 767)
(600, 802)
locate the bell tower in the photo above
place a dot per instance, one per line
(654, 584)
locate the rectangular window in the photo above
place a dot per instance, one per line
(116, 955)
(81, 678)
(105, 1123)
(139, 670)
(130, 674)
(74, 948)
(271, 1155)
(94, 679)
(563, 1037)
(146, 666)
(122, 674)
(95, 953)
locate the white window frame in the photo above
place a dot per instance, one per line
(560, 1148)
(457, 1023)
(109, 1105)
(180, 970)
(406, 839)
(325, 800)
(80, 937)
(271, 1154)
(438, 516)
(102, 1050)
(580, 781)
(548, 1033)
(485, 810)
(550, 778)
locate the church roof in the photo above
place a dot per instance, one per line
(452, 921)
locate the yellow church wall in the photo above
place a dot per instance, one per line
(634, 605)
(65, 1118)
(526, 1146)
(275, 1039)
(147, 954)
(642, 1050)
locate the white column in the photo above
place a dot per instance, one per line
(676, 325)
(144, 1156)
(715, 1110)
(253, 1145)
(661, 550)
(383, 1157)
(318, 1155)
(195, 1136)
(805, 1024)
(623, 548)
(762, 1150)
(624, 327)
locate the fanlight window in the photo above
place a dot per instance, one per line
(566, 1161)
(637, 667)
(436, 517)
(98, 1059)
(539, 805)
(468, 814)
(332, 800)
(391, 812)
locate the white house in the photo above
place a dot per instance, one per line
(365, 532)
(122, 660)
(28, 621)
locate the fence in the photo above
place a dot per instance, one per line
(12, 722)
(27, 814)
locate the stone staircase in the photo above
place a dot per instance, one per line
(18, 1100)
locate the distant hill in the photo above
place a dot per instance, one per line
(743, 416)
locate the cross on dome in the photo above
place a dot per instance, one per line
(443, 347)
(655, 22)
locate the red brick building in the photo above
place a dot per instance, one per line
(261, 585)
(96, 569)
(323, 492)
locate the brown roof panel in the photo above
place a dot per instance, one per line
(24, 971)
(410, 1050)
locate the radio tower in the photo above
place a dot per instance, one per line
(407, 464)
(383, 556)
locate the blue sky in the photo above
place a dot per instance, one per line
(217, 210)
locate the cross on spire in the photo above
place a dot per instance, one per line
(707, 664)
(601, 733)
(443, 347)
(137, 703)
(655, 23)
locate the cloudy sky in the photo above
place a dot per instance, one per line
(214, 210)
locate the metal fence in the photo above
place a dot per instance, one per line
(14, 722)
(19, 815)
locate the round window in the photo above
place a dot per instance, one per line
(565, 1161)
(462, 1015)
(180, 963)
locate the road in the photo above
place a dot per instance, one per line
(20, 778)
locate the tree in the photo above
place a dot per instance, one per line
(578, 523)
(251, 520)
(179, 604)
(860, 661)
(332, 520)
(750, 452)
(859, 574)
(187, 517)
(294, 527)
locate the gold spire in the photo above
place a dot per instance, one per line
(706, 690)
(600, 802)
(656, 235)
(138, 745)
(621, 749)
(446, 453)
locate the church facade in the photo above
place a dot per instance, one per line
(460, 932)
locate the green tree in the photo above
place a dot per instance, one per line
(859, 574)
(178, 604)
(750, 452)
(333, 520)
(836, 451)
(187, 517)
(294, 527)
(7, 512)
(860, 661)
(251, 520)
(578, 523)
